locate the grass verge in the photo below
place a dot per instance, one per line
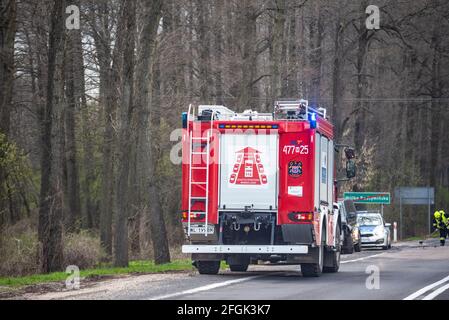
(135, 267)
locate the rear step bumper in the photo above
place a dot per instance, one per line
(223, 249)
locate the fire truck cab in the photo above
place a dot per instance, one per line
(260, 187)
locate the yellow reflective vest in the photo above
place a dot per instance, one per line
(441, 222)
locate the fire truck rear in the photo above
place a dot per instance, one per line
(260, 187)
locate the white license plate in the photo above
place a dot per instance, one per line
(202, 230)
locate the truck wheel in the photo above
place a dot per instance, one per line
(333, 257)
(313, 269)
(357, 247)
(348, 247)
(309, 270)
(208, 267)
(239, 267)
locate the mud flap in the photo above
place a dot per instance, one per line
(329, 257)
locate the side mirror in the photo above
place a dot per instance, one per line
(351, 170)
(350, 153)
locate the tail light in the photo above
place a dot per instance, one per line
(301, 217)
(197, 217)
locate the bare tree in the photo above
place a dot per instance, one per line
(102, 20)
(147, 110)
(121, 258)
(50, 211)
(71, 156)
(7, 36)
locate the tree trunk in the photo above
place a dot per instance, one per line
(152, 13)
(317, 55)
(89, 218)
(7, 35)
(108, 100)
(359, 130)
(360, 134)
(71, 156)
(247, 23)
(121, 258)
(276, 50)
(436, 93)
(218, 13)
(50, 210)
(202, 13)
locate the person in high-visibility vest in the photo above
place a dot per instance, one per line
(441, 223)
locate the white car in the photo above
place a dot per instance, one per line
(373, 230)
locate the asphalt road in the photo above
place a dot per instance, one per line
(408, 270)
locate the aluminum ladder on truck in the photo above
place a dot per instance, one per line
(198, 141)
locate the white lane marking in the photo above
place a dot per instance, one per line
(207, 287)
(231, 282)
(436, 293)
(364, 258)
(425, 289)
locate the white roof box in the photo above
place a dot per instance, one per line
(223, 113)
(220, 110)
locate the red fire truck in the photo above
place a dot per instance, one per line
(260, 187)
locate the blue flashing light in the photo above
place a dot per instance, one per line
(222, 126)
(312, 120)
(275, 126)
(184, 120)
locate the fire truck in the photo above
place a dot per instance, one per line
(260, 187)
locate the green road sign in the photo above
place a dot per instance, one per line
(369, 197)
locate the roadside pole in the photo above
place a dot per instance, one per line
(395, 232)
(400, 216)
(428, 211)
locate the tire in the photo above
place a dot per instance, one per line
(386, 246)
(358, 245)
(208, 267)
(334, 257)
(310, 270)
(239, 267)
(348, 247)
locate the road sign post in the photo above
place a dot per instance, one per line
(395, 232)
(428, 211)
(400, 217)
(415, 196)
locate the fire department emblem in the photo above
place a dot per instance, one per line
(295, 169)
(248, 168)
